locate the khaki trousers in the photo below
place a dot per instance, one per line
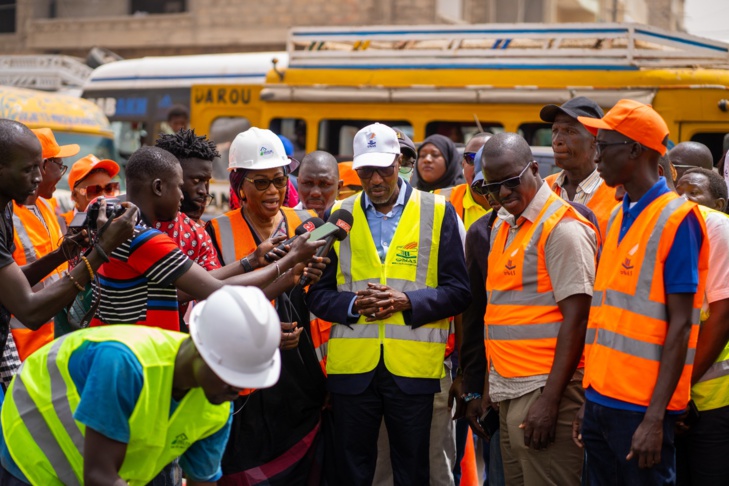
(560, 464)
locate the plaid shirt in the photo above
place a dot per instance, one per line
(585, 189)
(10, 362)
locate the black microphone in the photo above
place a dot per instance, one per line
(306, 227)
(342, 221)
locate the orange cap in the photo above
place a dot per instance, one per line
(636, 121)
(51, 148)
(348, 175)
(83, 166)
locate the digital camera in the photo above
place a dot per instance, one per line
(114, 209)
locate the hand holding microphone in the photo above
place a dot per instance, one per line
(280, 250)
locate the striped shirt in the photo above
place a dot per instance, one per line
(137, 285)
(585, 189)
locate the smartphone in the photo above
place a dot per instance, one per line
(323, 231)
(490, 421)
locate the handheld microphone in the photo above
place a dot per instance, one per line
(341, 221)
(306, 227)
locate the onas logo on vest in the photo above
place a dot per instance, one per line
(509, 268)
(407, 254)
(626, 268)
(181, 442)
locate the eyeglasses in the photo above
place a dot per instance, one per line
(111, 189)
(600, 146)
(263, 184)
(407, 164)
(61, 167)
(494, 187)
(367, 172)
(209, 198)
(469, 157)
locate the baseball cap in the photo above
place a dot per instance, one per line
(406, 145)
(375, 146)
(636, 121)
(257, 149)
(578, 106)
(51, 148)
(348, 176)
(81, 168)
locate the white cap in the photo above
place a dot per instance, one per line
(257, 149)
(375, 145)
(237, 333)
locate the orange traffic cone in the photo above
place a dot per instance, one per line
(469, 470)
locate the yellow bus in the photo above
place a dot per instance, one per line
(72, 119)
(441, 79)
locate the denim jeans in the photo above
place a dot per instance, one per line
(608, 434)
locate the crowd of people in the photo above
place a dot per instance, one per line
(576, 327)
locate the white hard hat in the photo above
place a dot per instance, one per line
(237, 332)
(375, 145)
(257, 149)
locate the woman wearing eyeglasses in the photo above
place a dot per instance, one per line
(88, 179)
(270, 423)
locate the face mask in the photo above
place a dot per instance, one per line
(405, 174)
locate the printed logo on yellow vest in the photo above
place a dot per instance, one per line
(510, 268)
(181, 442)
(407, 254)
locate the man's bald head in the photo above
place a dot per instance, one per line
(14, 135)
(319, 182)
(687, 155)
(20, 162)
(511, 143)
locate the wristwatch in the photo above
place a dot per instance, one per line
(247, 267)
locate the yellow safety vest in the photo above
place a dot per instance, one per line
(47, 443)
(712, 390)
(411, 263)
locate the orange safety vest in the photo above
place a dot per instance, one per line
(320, 330)
(522, 317)
(234, 237)
(628, 319)
(67, 216)
(33, 240)
(601, 203)
(454, 195)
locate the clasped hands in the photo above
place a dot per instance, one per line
(379, 302)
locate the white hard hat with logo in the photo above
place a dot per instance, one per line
(257, 149)
(237, 333)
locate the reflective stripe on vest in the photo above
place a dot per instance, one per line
(411, 263)
(712, 389)
(522, 317)
(47, 443)
(628, 318)
(226, 242)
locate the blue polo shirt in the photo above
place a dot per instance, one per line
(680, 271)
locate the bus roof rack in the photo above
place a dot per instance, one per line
(43, 72)
(624, 46)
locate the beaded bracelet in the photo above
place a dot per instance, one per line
(75, 283)
(471, 396)
(88, 267)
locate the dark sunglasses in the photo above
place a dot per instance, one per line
(111, 189)
(469, 157)
(263, 184)
(600, 146)
(494, 187)
(61, 167)
(367, 172)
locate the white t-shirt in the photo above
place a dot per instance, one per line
(717, 281)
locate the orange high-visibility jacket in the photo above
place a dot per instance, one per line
(628, 319)
(33, 240)
(235, 239)
(320, 331)
(522, 317)
(602, 202)
(455, 195)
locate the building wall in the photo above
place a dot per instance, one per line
(75, 26)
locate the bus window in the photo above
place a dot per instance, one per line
(223, 131)
(129, 136)
(336, 136)
(715, 142)
(295, 130)
(537, 134)
(460, 132)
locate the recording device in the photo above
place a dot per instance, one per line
(306, 227)
(88, 219)
(490, 421)
(335, 229)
